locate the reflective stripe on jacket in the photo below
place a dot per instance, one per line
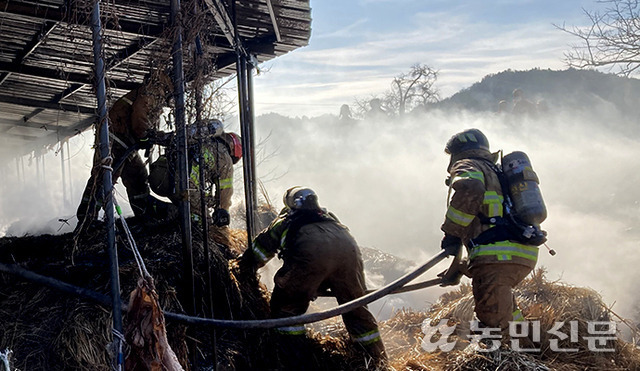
(505, 250)
(219, 174)
(270, 240)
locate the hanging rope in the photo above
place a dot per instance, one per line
(132, 243)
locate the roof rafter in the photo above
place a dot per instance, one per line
(274, 22)
(57, 14)
(48, 27)
(54, 74)
(219, 11)
(47, 105)
(261, 44)
(114, 62)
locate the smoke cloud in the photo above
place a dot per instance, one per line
(385, 180)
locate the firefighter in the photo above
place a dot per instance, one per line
(318, 253)
(220, 151)
(521, 105)
(132, 120)
(376, 111)
(497, 261)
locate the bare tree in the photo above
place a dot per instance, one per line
(612, 40)
(408, 90)
(412, 89)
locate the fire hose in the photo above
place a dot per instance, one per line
(394, 287)
(313, 317)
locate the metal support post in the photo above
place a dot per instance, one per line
(188, 290)
(246, 131)
(203, 200)
(252, 143)
(107, 184)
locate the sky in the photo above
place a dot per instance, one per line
(358, 46)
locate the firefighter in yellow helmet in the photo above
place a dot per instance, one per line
(132, 120)
(319, 253)
(497, 260)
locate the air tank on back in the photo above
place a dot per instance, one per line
(525, 193)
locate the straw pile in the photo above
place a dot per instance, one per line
(53, 331)
(540, 300)
(48, 330)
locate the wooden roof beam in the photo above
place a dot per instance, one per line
(124, 54)
(46, 105)
(114, 62)
(57, 14)
(72, 77)
(48, 27)
(258, 45)
(221, 15)
(6, 127)
(274, 21)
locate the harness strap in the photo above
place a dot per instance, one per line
(118, 140)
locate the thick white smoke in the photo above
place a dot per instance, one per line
(42, 189)
(385, 181)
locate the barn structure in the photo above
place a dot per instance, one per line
(64, 62)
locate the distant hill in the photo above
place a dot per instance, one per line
(568, 89)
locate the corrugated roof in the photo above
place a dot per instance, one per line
(46, 55)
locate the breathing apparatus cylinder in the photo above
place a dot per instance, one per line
(525, 193)
(160, 179)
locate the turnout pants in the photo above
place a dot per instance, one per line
(492, 286)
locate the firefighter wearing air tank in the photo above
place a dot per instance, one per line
(501, 242)
(319, 253)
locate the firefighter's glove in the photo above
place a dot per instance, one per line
(452, 276)
(451, 244)
(221, 218)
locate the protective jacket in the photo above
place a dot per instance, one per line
(130, 119)
(139, 110)
(218, 166)
(319, 253)
(477, 197)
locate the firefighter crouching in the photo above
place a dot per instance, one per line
(132, 120)
(498, 260)
(319, 253)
